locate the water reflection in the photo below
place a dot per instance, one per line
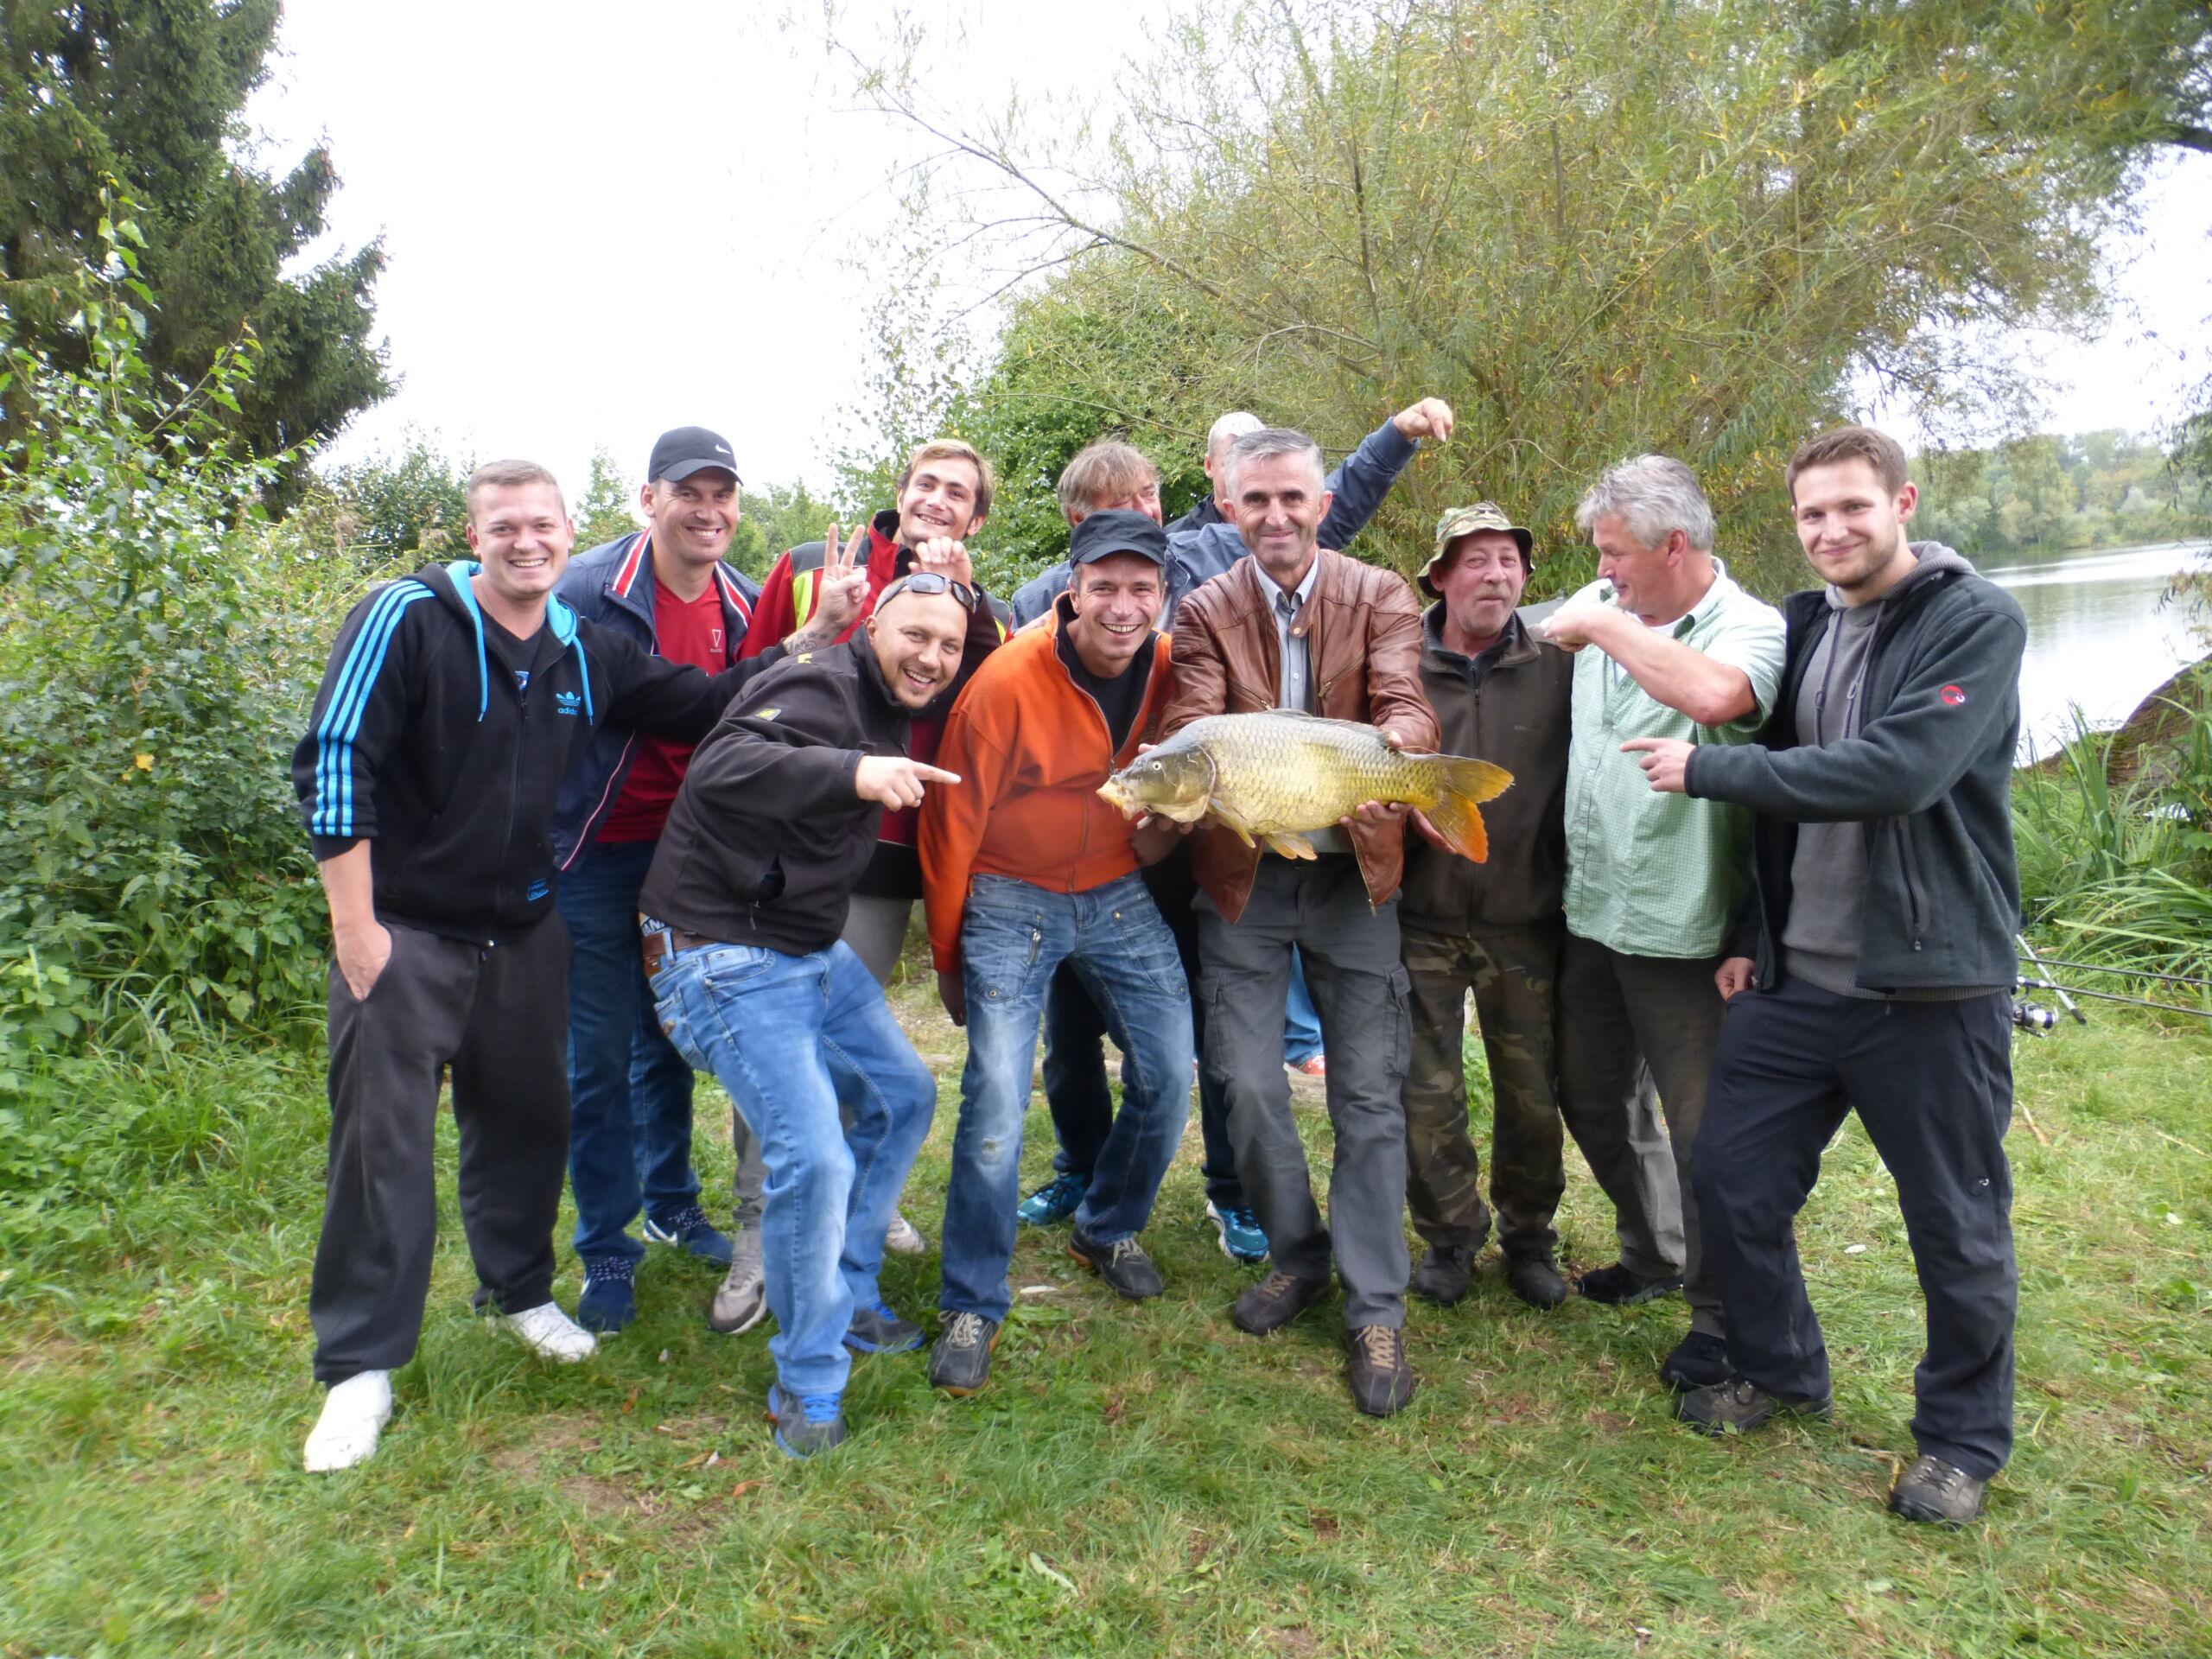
(2098, 637)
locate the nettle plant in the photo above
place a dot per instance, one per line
(152, 873)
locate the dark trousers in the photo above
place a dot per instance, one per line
(1512, 972)
(1075, 1063)
(1932, 1081)
(1351, 951)
(497, 1018)
(1613, 1008)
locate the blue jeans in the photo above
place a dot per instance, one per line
(1301, 1026)
(1012, 939)
(630, 1092)
(794, 1039)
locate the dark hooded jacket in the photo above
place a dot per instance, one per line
(1927, 770)
(450, 765)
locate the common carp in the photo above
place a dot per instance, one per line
(1277, 774)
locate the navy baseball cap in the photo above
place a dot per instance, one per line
(689, 449)
(1117, 531)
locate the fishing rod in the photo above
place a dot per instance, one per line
(2029, 1016)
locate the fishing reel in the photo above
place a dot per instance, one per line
(2028, 1016)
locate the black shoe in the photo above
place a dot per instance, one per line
(1382, 1378)
(961, 1361)
(1698, 1362)
(1275, 1301)
(1443, 1275)
(1536, 1280)
(1741, 1405)
(1123, 1265)
(1938, 1492)
(1617, 1287)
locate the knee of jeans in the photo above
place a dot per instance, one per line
(824, 1174)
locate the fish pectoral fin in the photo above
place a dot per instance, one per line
(1291, 846)
(1242, 831)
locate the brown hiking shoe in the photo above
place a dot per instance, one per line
(1934, 1491)
(1275, 1301)
(1382, 1377)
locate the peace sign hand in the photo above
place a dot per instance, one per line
(842, 590)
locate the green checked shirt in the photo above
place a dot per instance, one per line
(1653, 875)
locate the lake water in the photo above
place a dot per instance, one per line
(2098, 637)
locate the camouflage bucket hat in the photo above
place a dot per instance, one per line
(1461, 521)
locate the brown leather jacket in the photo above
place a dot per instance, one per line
(1362, 629)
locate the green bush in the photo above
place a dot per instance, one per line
(153, 663)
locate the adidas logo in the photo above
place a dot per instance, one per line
(567, 703)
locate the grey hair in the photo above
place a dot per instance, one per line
(1652, 495)
(1270, 441)
(1229, 427)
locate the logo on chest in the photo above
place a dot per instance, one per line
(567, 703)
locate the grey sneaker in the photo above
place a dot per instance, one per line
(1443, 1275)
(742, 1301)
(960, 1362)
(805, 1424)
(1938, 1492)
(1123, 1265)
(904, 1238)
(877, 1330)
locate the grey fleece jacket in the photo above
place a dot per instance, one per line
(1918, 758)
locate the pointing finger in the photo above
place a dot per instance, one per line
(932, 775)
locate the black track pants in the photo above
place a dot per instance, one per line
(497, 1017)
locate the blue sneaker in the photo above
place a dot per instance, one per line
(689, 1231)
(876, 1330)
(608, 1303)
(1241, 1237)
(1055, 1201)
(805, 1425)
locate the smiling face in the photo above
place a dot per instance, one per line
(1481, 579)
(521, 535)
(918, 639)
(939, 500)
(1853, 528)
(694, 518)
(1116, 601)
(1279, 504)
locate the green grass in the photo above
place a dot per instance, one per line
(1135, 1480)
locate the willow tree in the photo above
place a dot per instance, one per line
(1697, 228)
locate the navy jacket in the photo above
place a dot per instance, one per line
(1930, 772)
(612, 585)
(1200, 554)
(449, 767)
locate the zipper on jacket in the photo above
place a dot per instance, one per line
(1915, 900)
(514, 770)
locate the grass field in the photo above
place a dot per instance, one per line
(1143, 1480)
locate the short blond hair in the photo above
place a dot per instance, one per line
(505, 474)
(1108, 470)
(955, 450)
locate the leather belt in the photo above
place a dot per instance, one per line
(662, 943)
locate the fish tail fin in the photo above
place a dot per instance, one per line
(1457, 815)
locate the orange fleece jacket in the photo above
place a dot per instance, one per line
(1030, 746)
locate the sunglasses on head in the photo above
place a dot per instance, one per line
(928, 582)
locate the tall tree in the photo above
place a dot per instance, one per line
(149, 92)
(1599, 229)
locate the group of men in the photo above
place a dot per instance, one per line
(1755, 871)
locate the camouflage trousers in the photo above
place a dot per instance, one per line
(1511, 972)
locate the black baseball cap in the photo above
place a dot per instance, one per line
(688, 449)
(1117, 531)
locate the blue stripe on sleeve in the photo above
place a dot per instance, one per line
(341, 720)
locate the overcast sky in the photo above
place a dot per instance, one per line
(603, 221)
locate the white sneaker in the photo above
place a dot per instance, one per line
(550, 1333)
(905, 1237)
(353, 1416)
